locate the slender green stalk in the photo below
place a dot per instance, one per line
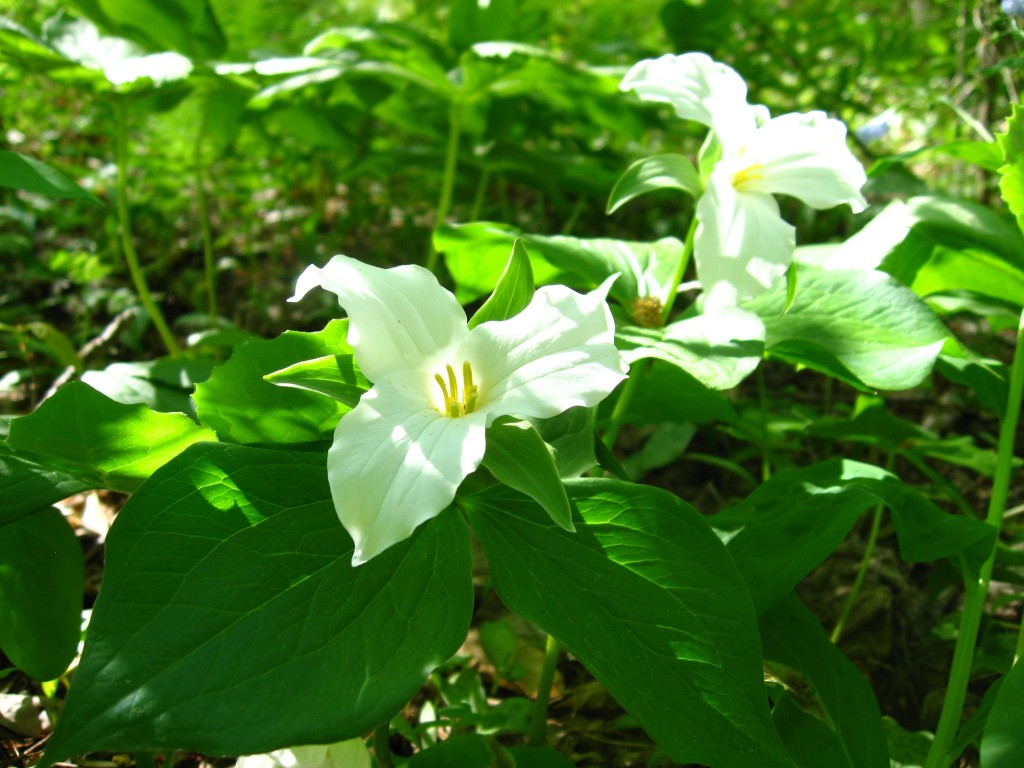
(574, 216)
(381, 745)
(858, 581)
(622, 405)
(203, 206)
(977, 592)
(481, 192)
(539, 718)
(124, 222)
(444, 204)
(677, 276)
(766, 450)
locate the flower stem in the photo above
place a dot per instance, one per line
(622, 405)
(203, 210)
(681, 265)
(382, 746)
(444, 203)
(539, 719)
(124, 222)
(481, 192)
(858, 581)
(977, 592)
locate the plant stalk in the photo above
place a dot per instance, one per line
(681, 265)
(381, 745)
(862, 572)
(124, 222)
(977, 592)
(444, 204)
(539, 718)
(203, 209)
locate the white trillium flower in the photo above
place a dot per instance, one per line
(399, 456)
(345, 754)
(742, 245)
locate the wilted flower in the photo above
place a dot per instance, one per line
(742, 245)
(400, 455)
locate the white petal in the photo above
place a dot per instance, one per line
(557, 353)
(398, 318)
(700, 89)
(396, 462)
(742, 245)
(806, 156)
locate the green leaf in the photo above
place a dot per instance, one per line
(186, 26)
(517, 456)
(793, 637)
(807, 513)
(1011, 181)
(652, 173)
(231, 620)
(41, 576)
(165, 385)
(336, 376)
(859, 326)
(462, 750)
(538, 757)
(103, 443)
(718, 350)
(27, 487)
(1002, 743)
(668, 393)
(572, 435)
(22, 172)
(647, 598)
(513, 291)
(243, 408)
(470, 21)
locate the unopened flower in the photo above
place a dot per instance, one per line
(742, 245)
(399, 456)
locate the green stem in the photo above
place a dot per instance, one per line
(858, 582)
(539, 718)
(974, 601)
(766, 450)
(124, 221)
(574, 216)
(203, 205)
(481, 192)
(444, 204)
(381, 745)
(677, 276)
(622, 405)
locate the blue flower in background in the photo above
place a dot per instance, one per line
(1013, 7)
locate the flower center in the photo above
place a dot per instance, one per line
(454, 405)
(648, 311)
(748, 177)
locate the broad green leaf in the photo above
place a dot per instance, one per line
(807, 513)
(572, 435)
(41, 576)
(939, 245)
(856, 325)
(470, 21)
(985, 379)
(1011, 182)
(336, 376)
(243, 408)
(538, 757)
(668, 393)
(164, 385)
(1002, 743)
(476, 255)
(513, 291)
(27, 487)
(649, 601)
(718, 350)
(984, 154)
(462, 750)
(101, 442)
(653, 173)
(186, 26)
(231, 620)
(22, 172)
(517, 456)
(792, 636)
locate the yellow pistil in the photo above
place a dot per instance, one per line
(748, 176)
(454, 406)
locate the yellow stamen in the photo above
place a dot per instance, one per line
(453, 405)
(748, 176)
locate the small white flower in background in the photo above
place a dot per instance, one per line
(742, 245)
(1013, 7)
(345, 754)
(399, 456)
(879, 126)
